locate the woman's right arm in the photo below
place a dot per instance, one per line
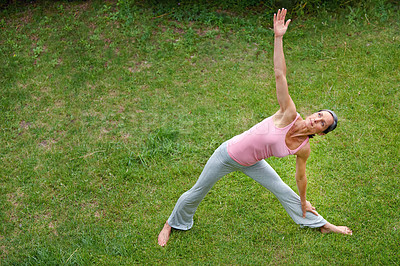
(286, 103)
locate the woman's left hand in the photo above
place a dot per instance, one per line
(307, 207)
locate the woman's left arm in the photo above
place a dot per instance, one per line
(301, 180)
(282, 93)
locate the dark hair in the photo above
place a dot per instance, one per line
(331, 127)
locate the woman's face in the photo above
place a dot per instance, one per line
(318, 122)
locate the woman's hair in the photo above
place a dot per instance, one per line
(331, 127)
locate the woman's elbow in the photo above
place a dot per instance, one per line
(279, 74)
(301, 178)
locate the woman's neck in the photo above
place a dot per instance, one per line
(299, 129)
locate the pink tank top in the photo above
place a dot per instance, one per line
(260, 142)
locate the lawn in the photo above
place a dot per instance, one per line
(109, 112)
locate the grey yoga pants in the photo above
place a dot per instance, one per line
(221, 164)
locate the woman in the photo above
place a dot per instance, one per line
(284, 133)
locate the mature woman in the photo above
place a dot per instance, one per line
(284, 133)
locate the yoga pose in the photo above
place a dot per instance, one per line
(285, 133)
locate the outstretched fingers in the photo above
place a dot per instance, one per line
(281, 14)
(280, 18)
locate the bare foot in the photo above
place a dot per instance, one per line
(163, 237)
(330, 228)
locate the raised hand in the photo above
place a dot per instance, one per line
(280, 26)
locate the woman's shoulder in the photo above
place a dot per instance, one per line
(304, 151)
(283, 119)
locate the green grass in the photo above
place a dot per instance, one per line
(109, 113)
